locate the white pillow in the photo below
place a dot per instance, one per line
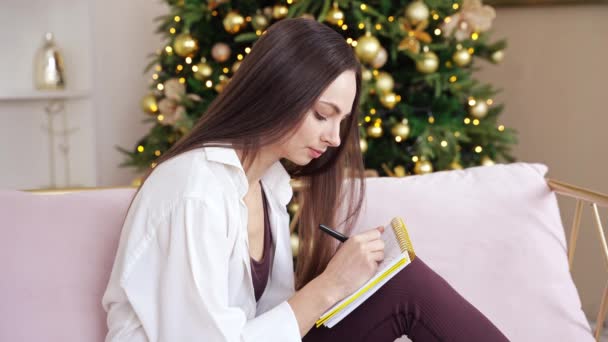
(495, 234)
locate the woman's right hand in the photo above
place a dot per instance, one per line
(355, 262)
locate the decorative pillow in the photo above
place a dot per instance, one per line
(495, 234)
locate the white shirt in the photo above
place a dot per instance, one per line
(182, 269)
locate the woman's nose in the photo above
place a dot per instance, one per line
(332, 136)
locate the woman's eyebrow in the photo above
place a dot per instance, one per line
(334, 107)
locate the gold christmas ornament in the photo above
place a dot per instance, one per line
(384, 82)
(335, 16)
(366, 74)
(409, 43)
(367, 47)
(363, 145)
(479, 110)
(455, 166)
(236, 66)
(462, 57)
(279, 11)
(185, 45)
(374, 131)
(380, 59)
(429, 63)
(293, 207)
(203, 71)
(259, 22)
(487, 161)
(233, 22)
(416, 12)
(220, 52)
(423, 167)
(497, 56)
(149, 104)
(295, 244)
(222, 84)
(401, 130)
(399, 171)
(389, 100)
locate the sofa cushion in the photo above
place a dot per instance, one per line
(495, 234)
(56, 255)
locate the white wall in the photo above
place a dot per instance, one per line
(123, 32)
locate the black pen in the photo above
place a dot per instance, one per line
(333, 233)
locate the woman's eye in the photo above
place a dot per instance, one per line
(319, 116)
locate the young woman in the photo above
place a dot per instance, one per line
(204, 254)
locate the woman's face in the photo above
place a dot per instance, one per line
(321, 126)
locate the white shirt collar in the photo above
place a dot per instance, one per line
(276, 179)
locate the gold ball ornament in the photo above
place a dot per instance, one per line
(455, 166)
(149, 104)
(374, 131)
(416, 12)
(401, 130)
(367, 47)
(380, 59)
(335, 16)
(389, 100)
(423, 167)
(363, 145)
(293, 207)
(479, 110)
(399, 171)
(279, 11)
(185, 45)
(384, 82)
(487, 161)
(236, 66)
(429, 63)
(220, 52)
(462, 57)
(295, 244)
(259, 22)
(366, 74)
(497, 56)
(233, 22)
(203, 71)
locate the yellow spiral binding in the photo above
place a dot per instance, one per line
(405, 244)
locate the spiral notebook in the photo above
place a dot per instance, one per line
(398, 253)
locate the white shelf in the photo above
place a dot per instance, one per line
(33, 95)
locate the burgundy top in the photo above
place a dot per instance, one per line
(261, 269)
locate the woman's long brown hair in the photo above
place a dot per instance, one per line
(276, 85)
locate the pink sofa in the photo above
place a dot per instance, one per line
(493, 232)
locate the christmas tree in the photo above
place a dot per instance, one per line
(422, 110)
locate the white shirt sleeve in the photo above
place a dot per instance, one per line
(178, 283)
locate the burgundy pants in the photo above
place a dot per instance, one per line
(417, 302)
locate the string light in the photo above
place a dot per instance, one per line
(354, 44)
(225, 70)
(430, 138)
(478, 149)
(160, 86)
(398, 139)
(158, 68)
(415, 159)
(435, 16)
(363, 7)
(489, 102)
(378, 27)
(444, 143)
(172, 30)
(140, 149)
(472, 102)
(209, 84)
(437, 32)
(349, 40)
(467, 121)
(456, 134)
(501, 128)
(431, 120)
(157, 153)
(155, 76)
(474, 35)
(153, 165)
(361, 26)
(372, 111)
(391, 19)
(168, 49)
(239, 57)
(476, 122)
(182, 80)
(367, 119)
(179, 67)
(160, 117)
(188, 60)
(195, 68)
(453, 78)
(455, 6)
(247, 50)
(177, 18)
(447, 19)
(344, 27)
